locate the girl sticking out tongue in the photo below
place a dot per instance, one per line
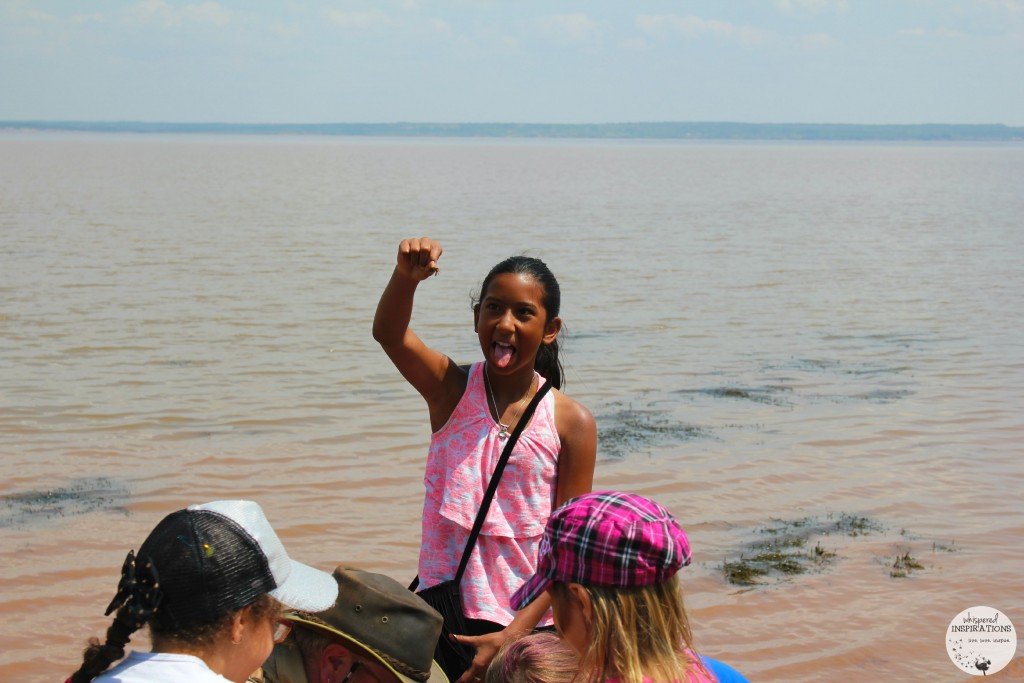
(502, 354)
(473, 408)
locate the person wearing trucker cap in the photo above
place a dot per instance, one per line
(210, 582)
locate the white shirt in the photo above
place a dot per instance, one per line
(160, 667)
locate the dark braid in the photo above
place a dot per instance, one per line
(97, 657)
(138, 598)
(547, 363)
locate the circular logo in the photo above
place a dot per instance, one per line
(981, 641)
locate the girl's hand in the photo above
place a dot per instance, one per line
(487, 647)
(417, 258)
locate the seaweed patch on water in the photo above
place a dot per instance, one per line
(883, 395)
(902, 339)
(854, 525)
(903, 565)
(767, 394)
(818, 365)
(770, 559)
(864, 381)
(630, 430)
(786, 551)
(79, 497)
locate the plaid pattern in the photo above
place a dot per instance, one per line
(607, 538)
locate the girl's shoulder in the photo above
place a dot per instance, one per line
(570, 413)
(577, 432)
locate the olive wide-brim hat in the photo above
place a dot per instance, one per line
(386, 620)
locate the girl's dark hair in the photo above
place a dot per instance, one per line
(548, 364)
(98, 656)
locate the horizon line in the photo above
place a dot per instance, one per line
(489, 123)
(678, 130)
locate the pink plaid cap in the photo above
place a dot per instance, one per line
(607, 538)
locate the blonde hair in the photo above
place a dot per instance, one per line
(637, 632)
(536, 658)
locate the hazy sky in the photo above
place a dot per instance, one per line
(252, 61)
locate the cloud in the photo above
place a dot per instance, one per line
(211, 13)
(811, 6)
(696, 27)
(18, 12)
(918, 32)
(569, 28)
(817, 40)
(1011, 6)
(357, 19)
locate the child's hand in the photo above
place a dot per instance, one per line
(417, 258)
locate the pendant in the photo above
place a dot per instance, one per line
(503, 432)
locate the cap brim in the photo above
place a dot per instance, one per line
(307, 589)
(437, 675)
(529, 591)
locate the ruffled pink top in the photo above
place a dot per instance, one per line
(462, 457)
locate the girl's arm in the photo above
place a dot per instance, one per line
(429, 371)
(577, 431)
(487, 646)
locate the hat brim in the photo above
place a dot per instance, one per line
(436, 673)
(530, 591)
(307, 589)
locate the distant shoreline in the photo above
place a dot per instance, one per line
(933, 132)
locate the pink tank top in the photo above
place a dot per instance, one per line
(461, 459)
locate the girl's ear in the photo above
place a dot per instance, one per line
(582, 597)
(238, 625)
(476, 316)
(551, 330)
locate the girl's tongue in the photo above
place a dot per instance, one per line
(502, 354)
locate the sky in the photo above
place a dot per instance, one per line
(513, 61)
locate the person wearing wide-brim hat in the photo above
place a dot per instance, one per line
(378, 632)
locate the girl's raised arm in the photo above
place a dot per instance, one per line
(425, 368)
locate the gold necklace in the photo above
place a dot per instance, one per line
(503, 432)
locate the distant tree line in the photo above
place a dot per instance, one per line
(667, 130)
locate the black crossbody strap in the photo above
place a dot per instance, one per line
(499, 468)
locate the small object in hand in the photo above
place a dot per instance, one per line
(434, 270)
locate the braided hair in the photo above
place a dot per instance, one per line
(138, 598)
(137, 603)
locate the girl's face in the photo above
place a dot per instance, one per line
(512, 323)
(570, 611)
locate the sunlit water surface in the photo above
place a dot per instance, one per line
(809, 342)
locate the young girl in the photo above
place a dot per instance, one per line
(540, 657)
(472, 412)
(209, 581)
(609, 562)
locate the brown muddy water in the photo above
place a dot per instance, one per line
(810, 353)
